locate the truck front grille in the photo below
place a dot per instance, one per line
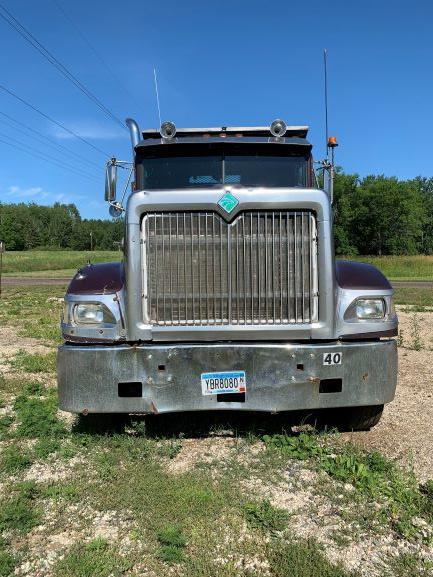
(261, 269)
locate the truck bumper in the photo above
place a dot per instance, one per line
(161, 378)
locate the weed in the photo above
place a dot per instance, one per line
(60, 491)
(7, 563)
(5, 423)
(301, 559)
(415, 333)
(34, 388)
(170, 448)
(37, 417)
(34, 363)
(98, 544)
(400, 338)
(172, 542)
(172, 535)
(303, 446)
(266, 517)
(18, 512)
(408, 565)
(427, 488)
(373, 476)
(138, 427)
(13, 460)
(46, 446)
(94, 559)
(170, 554)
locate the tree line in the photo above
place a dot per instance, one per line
(32, 226)
(374, 215)
(379, 215)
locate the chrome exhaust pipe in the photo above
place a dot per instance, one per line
(134, 132)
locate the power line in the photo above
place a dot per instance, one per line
(49, 156)
(50, 141)
(95, 52)
(62, 126)
(33, 41)
(40, 157)
(41, 152)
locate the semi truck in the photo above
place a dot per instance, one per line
(229, 296)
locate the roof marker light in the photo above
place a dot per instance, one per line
(278, 128)
(168, 130)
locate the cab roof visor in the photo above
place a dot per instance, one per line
(238, 131)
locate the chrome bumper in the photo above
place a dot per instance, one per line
(280, 377)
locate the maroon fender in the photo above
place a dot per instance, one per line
(360, 276)
(98, 279)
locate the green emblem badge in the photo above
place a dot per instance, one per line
(228, 202)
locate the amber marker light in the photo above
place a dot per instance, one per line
(332, 142)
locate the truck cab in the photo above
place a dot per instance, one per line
(229, 296)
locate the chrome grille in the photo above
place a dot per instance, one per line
(259, 270)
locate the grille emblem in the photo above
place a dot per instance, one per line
(228, 202)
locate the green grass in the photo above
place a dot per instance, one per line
(65, 263)
(15, 262)
(94, 559)
(34, 311)
(301, 559)
(66, 273)
(172, 543)
(414, 297)
(409, 565)
(403, 268)
(189, 518)
(5, 423)
(13, 460)
(38, 417)
(266, 517)
(45, 447)
(18, 511)
(373, 477)
(7, 563)
(34, 363)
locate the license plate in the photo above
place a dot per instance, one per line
(222, 383)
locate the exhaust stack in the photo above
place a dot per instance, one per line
(134, 132)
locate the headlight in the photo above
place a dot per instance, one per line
(92, 314)
(370, 308)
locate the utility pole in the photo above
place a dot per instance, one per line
(91, 241)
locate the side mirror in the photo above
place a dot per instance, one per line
(110, 180)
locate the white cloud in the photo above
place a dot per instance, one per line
(90, 130)
(38, 194)
(34, 191)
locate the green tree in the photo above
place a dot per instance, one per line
(388, 216)
(345, 187)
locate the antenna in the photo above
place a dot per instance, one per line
(157, 94)
(325, 68)
(331, 141)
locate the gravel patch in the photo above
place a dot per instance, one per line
(405, 432)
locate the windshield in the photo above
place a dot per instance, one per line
(216, 170)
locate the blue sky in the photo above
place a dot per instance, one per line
(219, 63)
